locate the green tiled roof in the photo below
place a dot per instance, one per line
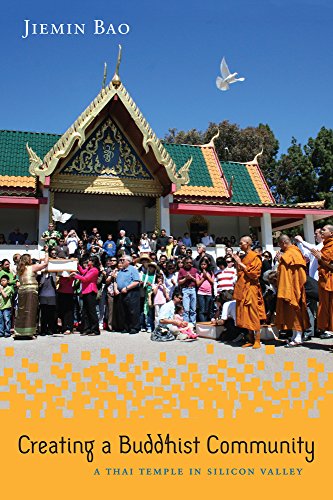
(243, 189)
(199, 174)
(14, 159)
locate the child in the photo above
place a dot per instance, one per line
(6, 294)
(186, 332)
(205, 282)
(161, 295)
(144, 246)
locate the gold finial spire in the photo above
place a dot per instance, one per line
(104, 75)
(116, 79)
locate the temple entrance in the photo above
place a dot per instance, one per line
(113, 227)
(134, 214)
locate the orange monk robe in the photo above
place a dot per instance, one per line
(291, 310)
(325, 287)
(250, 308)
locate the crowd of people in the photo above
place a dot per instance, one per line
(153, 284)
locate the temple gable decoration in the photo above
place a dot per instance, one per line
(113, 96)
(107, 153)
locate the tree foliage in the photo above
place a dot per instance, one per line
(295, 177)
(320, 151)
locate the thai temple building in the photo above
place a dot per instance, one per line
(110, 170)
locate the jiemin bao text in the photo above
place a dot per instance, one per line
(168, 445)
(95, 27)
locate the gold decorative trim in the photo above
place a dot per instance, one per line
(105, 185)
(314, 204)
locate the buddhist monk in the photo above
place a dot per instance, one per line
(325, 280)
(250, 307)
(291, 310)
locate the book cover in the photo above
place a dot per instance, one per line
(122, 416)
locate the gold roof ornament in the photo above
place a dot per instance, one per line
(116, 78)
(183, 173)
(104, 75)
(211, 144)
(255, 159)
(252, 162)
(34, 160)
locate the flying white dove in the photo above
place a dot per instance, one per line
(227, 77)
(58, 216)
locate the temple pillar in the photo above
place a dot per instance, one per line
(163, 213)
(308, 228)
(44, 215)
(266, 232)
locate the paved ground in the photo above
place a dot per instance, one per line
(202, 352)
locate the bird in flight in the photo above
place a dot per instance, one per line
(227, 77)
(58, 216)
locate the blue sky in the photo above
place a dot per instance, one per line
(171, 58)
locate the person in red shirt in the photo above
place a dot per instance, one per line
(88, 278)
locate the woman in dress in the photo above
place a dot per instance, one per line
(26, 320)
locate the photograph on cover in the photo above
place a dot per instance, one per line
(166, 225)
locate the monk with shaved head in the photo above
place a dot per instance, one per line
(291, 310)
(250, 307)
(325, 280)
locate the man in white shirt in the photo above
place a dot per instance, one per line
(207, 240)
(305, 247)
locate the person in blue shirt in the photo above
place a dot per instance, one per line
(128, 285)
(110, 246)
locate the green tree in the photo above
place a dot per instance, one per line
(320, 150)
(295, 177)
